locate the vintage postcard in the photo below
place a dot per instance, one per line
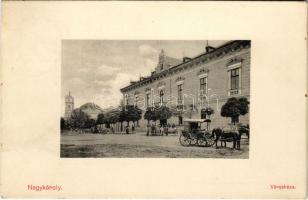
(118, 95)
(153, 99)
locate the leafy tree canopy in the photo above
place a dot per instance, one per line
(235, 107)
(157, 113)
(79, 119)
(130, 113)
(100, 118)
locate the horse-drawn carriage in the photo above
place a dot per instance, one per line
(194, 135)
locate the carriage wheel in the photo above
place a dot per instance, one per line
(202, 142)
(193, 141)
(210, 139)
(184, 141)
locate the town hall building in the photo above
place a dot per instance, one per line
(206, 80)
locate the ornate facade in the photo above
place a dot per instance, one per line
(207, 79)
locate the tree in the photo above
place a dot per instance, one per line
(149, 115)
(163, 113)
(131, 113)
(62, 124)
(100, 118)
(136, 114)
(90, 123)
(235, 107)
(122, 117)
(244, 108)
(106, 120)
(111, 117)
(79, 119)
(114, 117)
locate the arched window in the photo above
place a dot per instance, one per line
(136, 99)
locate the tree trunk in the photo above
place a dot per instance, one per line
(121, 126)
(148, 128)
(235, 120)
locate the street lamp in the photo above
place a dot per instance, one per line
(216, 100)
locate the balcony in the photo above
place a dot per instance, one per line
(234, 92)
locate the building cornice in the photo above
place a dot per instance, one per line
(203, 58)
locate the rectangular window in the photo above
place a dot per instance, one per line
(148, 99)
(203, 82)
(235, 77)
(180, 93)
(161, 96)
(126, 99)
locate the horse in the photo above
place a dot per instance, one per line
(227, 136)
(244, 129)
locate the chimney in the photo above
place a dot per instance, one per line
(185, 59)
(209, 49)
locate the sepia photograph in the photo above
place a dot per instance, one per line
(155, 98)
(144, 99)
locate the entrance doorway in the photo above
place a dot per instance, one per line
(180, 120)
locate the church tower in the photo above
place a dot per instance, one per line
(69, 105)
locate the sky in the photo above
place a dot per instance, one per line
(96, 70)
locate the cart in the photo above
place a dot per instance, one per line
(194, 135)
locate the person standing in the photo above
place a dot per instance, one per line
(166, 130)
(152, 129)
(148, 129)
(161, 130)
(127, 129)
(133, 128)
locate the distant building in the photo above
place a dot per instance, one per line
(69, 105)
(91, 109)
(208, 79)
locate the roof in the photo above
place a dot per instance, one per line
(91, 106)
(208, 56)
(169, 61)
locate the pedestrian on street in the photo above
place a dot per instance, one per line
(133, 128)
(166, 130)
(152, 129)
(161, 130)
(127, 129)
(148, 129)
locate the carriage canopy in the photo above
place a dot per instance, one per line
(192, 124)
